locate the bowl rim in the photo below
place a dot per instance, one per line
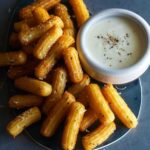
(143, 61)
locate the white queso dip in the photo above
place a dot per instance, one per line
(115, 42)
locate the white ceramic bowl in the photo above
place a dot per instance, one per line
(114, 76)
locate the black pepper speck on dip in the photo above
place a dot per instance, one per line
(115, 42)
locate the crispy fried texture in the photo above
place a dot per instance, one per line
(56, 115)
(80, 10)
(27, 118)
(98, 136)
(12, 58)
(46, 42)
(119, 106)
(46, 65)
(98, 103)
(72, 125)
(73, 65)
(24, 101)
(59, 80)
(26, 12)
(34, 86)
(89, 118)
(34, 33)
(62, 11)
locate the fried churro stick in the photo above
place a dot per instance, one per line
(22, 121)
(12, 58)
(98, 103)
(80, 10)
(34, 86)
(56, 115)
(98, 136)
(119, 106)
(62, 11)
(24, 101)
(89, 118)
(46, 42)
(72, 62)
(59, 80)
(46, 65)
(40, 14)
(26, 12)
(72, 125)
(27, 37)
(22, 70)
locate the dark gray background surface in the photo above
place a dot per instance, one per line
(138, 139)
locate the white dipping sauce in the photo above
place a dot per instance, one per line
(115, 42)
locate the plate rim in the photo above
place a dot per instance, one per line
(25, 131)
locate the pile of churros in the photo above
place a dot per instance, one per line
(46, 66)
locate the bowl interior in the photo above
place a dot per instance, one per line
(142, 28)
